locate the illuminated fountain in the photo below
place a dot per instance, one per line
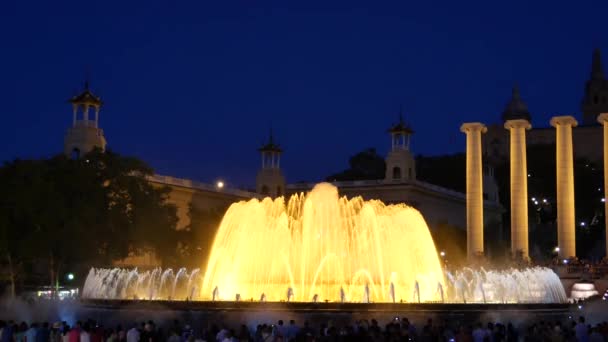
(319, 244)
(322, 247)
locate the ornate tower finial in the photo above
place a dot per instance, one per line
(271, 136)
(597, 73)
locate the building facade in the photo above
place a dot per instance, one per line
(587, 137)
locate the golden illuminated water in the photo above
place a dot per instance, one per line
(322, 244)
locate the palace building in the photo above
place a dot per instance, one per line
(587, 136)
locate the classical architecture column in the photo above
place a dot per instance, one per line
(519, 186)
(565, 185)
(603, 119)
(474, 193)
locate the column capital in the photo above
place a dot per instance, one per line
(602, 118)
(473, 127)
(563, 120)
(517, 123)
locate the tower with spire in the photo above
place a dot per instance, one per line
(595, 100)
(400, 163)
(85, 134)
(270, 180)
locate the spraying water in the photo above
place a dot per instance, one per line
(326, 247)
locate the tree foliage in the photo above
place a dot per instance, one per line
(367, 164)
(83, 212)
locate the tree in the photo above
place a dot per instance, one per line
(365, 165)
(197, 240)
(433, 170)
(77, 213)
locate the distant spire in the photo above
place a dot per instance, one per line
(515, 93)
(270, 146)
(87, 77)
(271, 136)
(597, 73)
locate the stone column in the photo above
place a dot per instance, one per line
(565, 185)
(519, 186)
(603, 119)
(474, 193)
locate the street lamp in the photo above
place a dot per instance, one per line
(70, 276)
(219, 185)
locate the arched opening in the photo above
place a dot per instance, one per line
(279, 191)
(75, 153)
(409, 173)
(396, 172)
(265, 190)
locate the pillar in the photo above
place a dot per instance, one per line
(603, 120)
(565, 185)
(519, 186)
(474, 189)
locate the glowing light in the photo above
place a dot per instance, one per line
(544, 200)
(442, 253)
(533, 199)
(271, 247)
(582, 224)
(565, 261)
(556, 249)
(219, 184)
(529, 175)
(70, 276)
(603, 200)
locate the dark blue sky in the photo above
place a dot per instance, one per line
(192, 87)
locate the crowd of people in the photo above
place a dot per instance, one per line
(398, 329)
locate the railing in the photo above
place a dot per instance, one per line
(375, 182)
(584, 271)
(188, 183)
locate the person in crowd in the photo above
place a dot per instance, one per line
(133, 334)
(30, 333)
(582, 330)
(85, 333)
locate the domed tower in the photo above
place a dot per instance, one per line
(400, 163)
(85, 134)
(270, 180)
(595, 100)
(516, 108)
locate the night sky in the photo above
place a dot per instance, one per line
(193, 87)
